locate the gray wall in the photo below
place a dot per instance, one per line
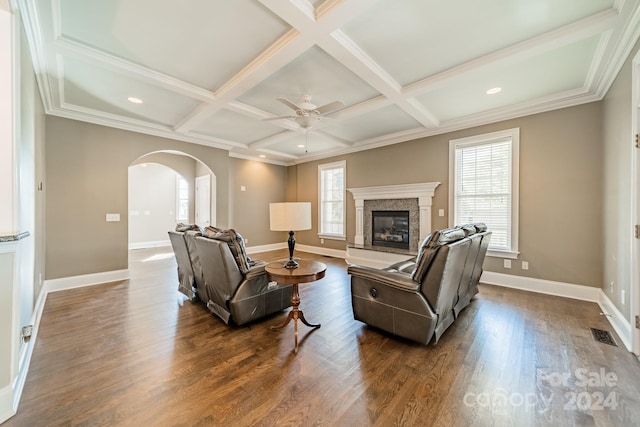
(264, 183)
(87, 169)
(561, 177)
(617, 221)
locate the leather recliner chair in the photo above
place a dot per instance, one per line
(187, 283)
(414, 299)
(468, 287)
(238, 288)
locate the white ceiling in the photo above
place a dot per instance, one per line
(209, 71)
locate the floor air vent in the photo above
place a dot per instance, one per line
(603, 336)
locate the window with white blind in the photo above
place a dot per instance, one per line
(182, 198)
(483, 186)
(331, 182)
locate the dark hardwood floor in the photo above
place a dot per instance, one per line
(132, 353)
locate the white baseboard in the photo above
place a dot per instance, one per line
(567, 290)
(303, 248)
(63, 283)
(620, 324)
(266, 248)
(154, 244)
(541, 286)
(322, 251)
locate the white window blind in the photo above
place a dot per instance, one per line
(183, 199)
(332, 195)
(484, 185)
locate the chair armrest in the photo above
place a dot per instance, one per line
(256, 270)
(394, 279)
(406, 266)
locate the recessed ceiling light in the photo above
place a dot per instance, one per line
(494, 90)
(134, 100)
(300, 145)
(262, 156)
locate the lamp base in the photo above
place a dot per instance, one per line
(291, 264)
(292, 244)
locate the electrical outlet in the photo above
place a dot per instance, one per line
(507, 263)
(525, 265)
(623, 296)
(27, 331)
(322, 241)
(246, 241)
(611, 287)
(440, 212)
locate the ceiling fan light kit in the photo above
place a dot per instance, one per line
(308, 114)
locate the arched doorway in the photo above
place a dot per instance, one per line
(162, 192)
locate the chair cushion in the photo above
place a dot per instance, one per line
(236, 244)
(182, 227)
(480, 226)
(430, 247)
(469, 229)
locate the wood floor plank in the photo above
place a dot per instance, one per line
(134, 353)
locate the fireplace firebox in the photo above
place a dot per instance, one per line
(390, 228)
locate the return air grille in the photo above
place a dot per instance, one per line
(603, 336)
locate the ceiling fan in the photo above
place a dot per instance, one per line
(308, 114)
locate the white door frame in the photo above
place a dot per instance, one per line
(634, 285)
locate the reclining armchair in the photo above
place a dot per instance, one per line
(213, 267)
(188, 278)
(237, 287)
(417, 299)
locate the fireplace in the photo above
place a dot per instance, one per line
(390, 228)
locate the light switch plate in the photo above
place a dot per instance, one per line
(113, 217)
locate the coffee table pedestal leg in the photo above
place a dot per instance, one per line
(294, 315)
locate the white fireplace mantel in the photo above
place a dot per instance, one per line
(422, 191)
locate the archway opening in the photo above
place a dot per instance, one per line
(166, 188)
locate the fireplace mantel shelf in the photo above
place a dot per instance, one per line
(401, 191)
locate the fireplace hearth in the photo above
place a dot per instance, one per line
(390, 229)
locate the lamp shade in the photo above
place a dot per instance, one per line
(290, 216)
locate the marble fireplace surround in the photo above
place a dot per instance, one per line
(378, 197)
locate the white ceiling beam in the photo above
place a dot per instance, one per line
(346, 51)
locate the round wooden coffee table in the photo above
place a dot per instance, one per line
(307, 271)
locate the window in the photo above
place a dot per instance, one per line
(182, 197)
(331, 179)
(483, 186)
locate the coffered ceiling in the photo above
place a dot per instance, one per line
(210, 71)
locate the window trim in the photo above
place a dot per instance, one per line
(483, 139)
(334, 165)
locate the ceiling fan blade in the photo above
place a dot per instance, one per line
(289, 104)
(279, 118)
(335, 105)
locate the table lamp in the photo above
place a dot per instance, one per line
(290, 216)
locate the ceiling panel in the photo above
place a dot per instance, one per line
(87, 85)
(535, 77)
(315, 73)
(236, 127)
(210, 71)
(187, 41)
(418, 38)
(391, 118)
(302, 144)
